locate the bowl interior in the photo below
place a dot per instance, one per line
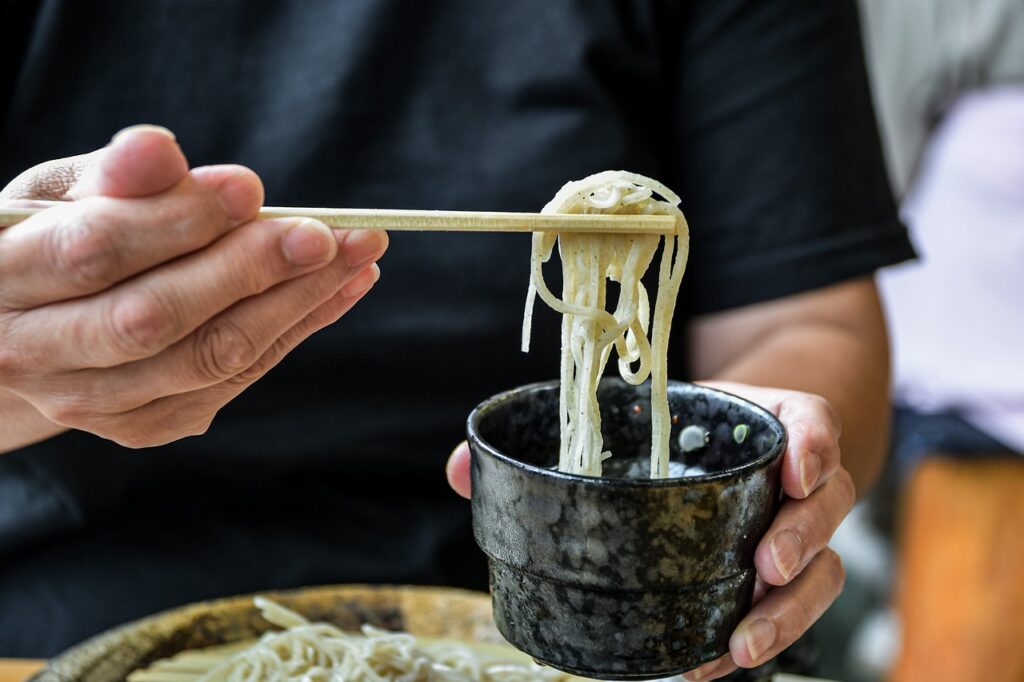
(523, 425)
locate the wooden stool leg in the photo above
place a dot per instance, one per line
(960, 589)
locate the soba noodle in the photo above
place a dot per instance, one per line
(590, 330)
(320, 652)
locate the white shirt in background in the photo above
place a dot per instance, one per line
(957, 314)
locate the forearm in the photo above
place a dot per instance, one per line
(849, 369)
(21, 424)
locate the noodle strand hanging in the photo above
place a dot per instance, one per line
(589, 330)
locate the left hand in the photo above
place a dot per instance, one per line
(798, 575)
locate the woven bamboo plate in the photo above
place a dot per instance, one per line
(439, 613)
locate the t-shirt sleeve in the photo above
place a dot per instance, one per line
(776, 152)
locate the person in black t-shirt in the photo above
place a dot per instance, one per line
(149, 299)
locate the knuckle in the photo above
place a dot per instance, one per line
(223, 350)
(141, 324)
(250, 373)
(84, 252)
(261, 365)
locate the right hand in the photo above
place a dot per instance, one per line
(150, 297)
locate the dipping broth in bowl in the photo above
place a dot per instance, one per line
(623, 576)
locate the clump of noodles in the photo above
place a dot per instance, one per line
(319, 652)
(590, 330)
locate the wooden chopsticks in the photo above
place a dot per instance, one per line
(446, 221)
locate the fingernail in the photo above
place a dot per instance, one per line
(307, 242)
(361, 246)
(810, 470)
(758, 636)
(141, 127)
(787, 552)
(362, 282)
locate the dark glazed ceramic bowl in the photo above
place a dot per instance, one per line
(615, 577)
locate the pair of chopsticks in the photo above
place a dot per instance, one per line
(446, 221)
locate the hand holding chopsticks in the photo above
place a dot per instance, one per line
(139, 309)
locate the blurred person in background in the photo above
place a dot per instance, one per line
(948, 78)
(948, 82)
(331, 467)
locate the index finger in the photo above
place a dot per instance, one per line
(74, 249)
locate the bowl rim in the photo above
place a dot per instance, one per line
(498, 399)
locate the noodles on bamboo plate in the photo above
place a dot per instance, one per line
(321, 652)
(417, 634)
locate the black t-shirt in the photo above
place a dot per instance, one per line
(331, 468)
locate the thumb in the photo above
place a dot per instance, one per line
(140, 161)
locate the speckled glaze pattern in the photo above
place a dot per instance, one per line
(613, 577)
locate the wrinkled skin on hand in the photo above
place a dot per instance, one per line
(148, 295)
